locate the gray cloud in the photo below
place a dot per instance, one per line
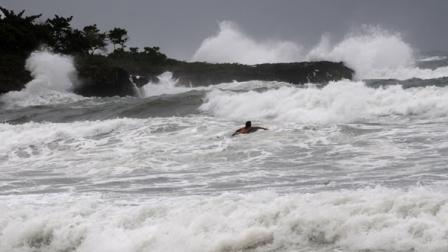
(179, 26)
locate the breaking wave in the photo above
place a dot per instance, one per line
(231, 44)
(166, 85)
(54, 76)
(373, 52)
(378, 219)
(343, 101)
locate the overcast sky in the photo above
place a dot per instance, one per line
(179, 26)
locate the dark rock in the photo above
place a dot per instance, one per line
(111, 76)
(199, 74)
(100, 79)
(13, 75)
(116, 73)
(106, 76)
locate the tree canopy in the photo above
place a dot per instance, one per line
(21, 34)
(118, 36)
(95, 38)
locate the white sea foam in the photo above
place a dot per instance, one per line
(370, 52)
(405, 73)
(433, 58)
(166, 85)
(54, 76)
(183, 184)
(33, 133)
(378, 219)
(64, 146)
(342, 101)
(373, 52)
(101, 150)
(169, 85)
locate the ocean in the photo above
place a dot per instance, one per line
(355, 165)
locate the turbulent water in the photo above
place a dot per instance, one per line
(352, 166)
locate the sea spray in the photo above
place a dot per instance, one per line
(375, 53)
(54, 77)
(166, 85)
(231, 45)
(50, 72)
(369, 52)
(342, 101)
(372, 51)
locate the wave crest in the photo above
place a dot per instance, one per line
(373, 52)
(54, 76)
(338, 102)
(231, 44)
(378, 219)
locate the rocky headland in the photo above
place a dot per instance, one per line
(101, 76)
(119, 72)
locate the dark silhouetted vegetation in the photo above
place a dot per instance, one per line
(104, 73)
(118, 36)
(21, 34)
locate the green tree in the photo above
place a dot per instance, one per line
(118, 36)
(95, 38)
(77, 42)
(20, 34)
(60, 30)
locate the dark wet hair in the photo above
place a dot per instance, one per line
(248, 124)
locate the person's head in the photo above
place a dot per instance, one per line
(248, 124)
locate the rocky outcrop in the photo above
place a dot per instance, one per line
(199, 74)
(101, 79)
(104, 76)
(112, 74)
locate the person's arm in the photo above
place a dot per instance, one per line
(261, 128)
(236, 132)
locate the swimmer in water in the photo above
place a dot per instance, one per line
(247, 129)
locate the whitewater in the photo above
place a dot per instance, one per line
(354, 165)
